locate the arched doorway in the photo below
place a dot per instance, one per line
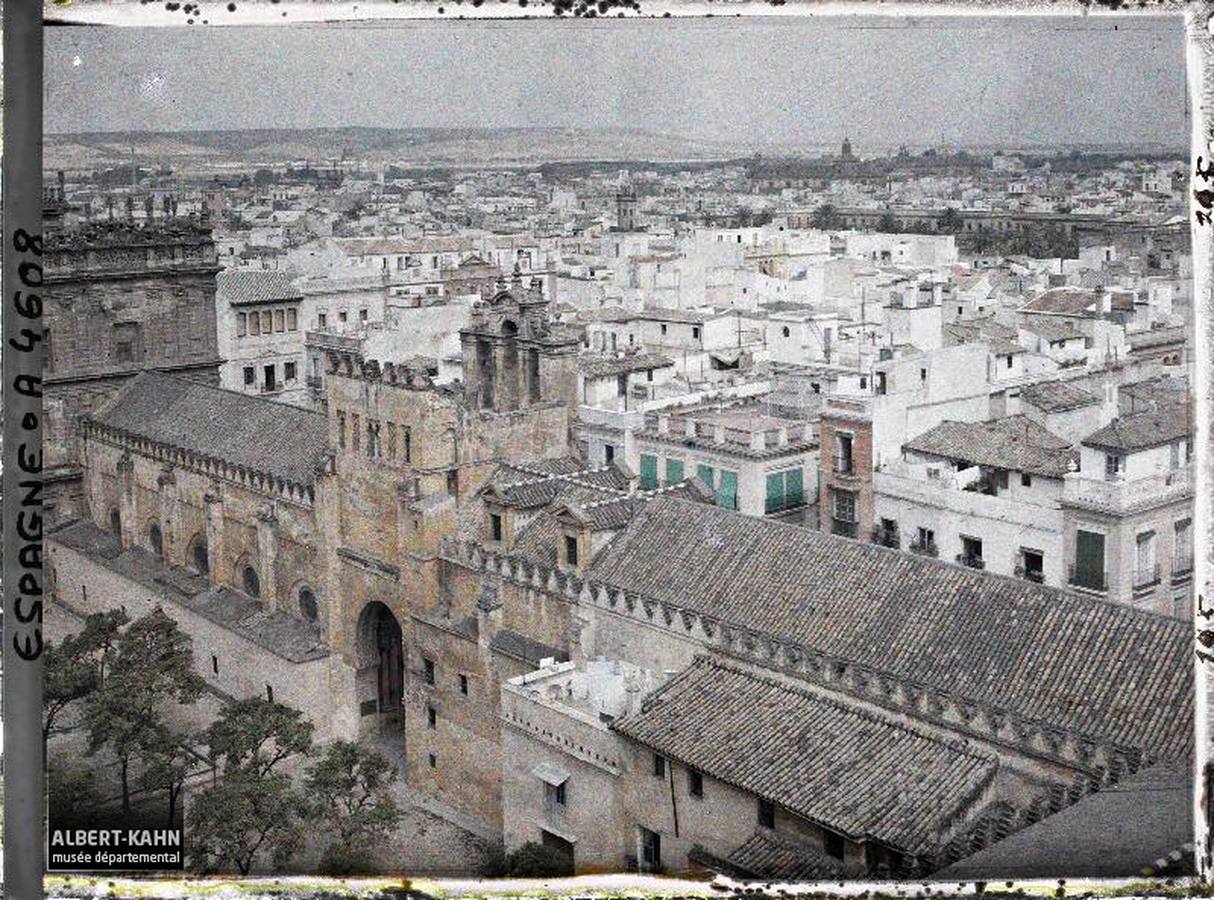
(381, 653)
(199, 559)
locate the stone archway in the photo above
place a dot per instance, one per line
(381, 656)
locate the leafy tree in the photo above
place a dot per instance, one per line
(950, 221)
(533, 860)
(263, 177)
(72, 794)
(76, 667)
(152, 664)
(243, 817)
(257, 734)
(825, 218)
(349, 789)
(167, 761)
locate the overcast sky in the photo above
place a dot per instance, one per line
(879, 80)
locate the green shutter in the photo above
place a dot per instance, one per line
(705, 475)
(775, 492)
(727, 490)
(674, 471)
(794, 488)
(649, 471)
(1089, 559)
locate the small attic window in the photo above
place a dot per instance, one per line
(570, 549)
(495, 527)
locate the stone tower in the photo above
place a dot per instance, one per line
(626, 209)
(514, 355)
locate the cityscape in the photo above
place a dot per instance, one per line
(549, 499)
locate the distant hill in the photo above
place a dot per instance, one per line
(405, 146)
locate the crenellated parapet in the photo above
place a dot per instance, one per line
(175, 457)
(122, 247)
(1096, 758)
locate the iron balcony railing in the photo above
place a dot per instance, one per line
(1034, 575)
(971, 561)
(1146, 577)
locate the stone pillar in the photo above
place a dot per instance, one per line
(167, 482)
(217, 560)
(126, 500)
(267, 555)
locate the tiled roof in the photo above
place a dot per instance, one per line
(1013, 442)
(775, 857)
(539, 484)
(284, 635)
(1051, 330)
(1056, 396)
(1001, 338)
(1141, 431)
(850, 771)
(1143, 817)
(1163, 390)
(1101, 669)
(511, 643)
(600, 366)
(1157, 337)
(1067, 300)
(280, 440)
(240, 287)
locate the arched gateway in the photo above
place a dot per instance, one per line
(381, 656)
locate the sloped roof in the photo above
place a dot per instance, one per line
(241, 287)
(602, 366)
(772, 856)
(846, 769)
(1102, 669)
(1141, 431)
(1013, 442)
(1056, 396)
(1050, 330)
(280, 440)
(1067, 300)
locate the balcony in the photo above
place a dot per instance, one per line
(843, 527)
(1034, 575)
(886, 537)
(971, 561)
(1088, 581)
(924, 548)
(1146, 577)
(1182, 567)
(1122, 496)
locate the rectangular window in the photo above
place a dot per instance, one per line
(674, 470)
(705, 474)
(571, 550)
(269, 384)
(321, 319)
(242, 324)
(695, 783)
(407, 440)
(343, 316)
(651, 850)
(280, 320)
(649, 471)
(1088, 570)
(767, 813)
(428, 671)
(695, 333)
(971, 552)
(267, 322)
(214, 664)
(727, 490)
(269, 693)
(463, 685)
(250, 375)
(254, 324)
(1026, 479)
(495, 527)
(659, 766)
(1113, 465)
(833, 844)
(431, 717)
(843, 506)
(362, 315)
(433, 761)
(843, 454)
(392, 441)
(356, 432)
(292, 319)
(341, 430)
(785, 490)
(288, 371)
(554, 794)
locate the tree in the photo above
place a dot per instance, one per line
(950, 221)
(167, 760)
(71, 795)
(533, 860)
(254, 809)
(76, 667)
(887, 224)
(152, 664)
(825, 218)
(257, 734)
(244, 816)
(349, 791)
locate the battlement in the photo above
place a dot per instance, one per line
(353, 365)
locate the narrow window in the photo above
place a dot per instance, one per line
(321, 319)
(659, 765)
(242, 324)
(767, 813)
(695, 783)
(279, 320)
(288, 371)
(1026, 479)
(408, 440)
(571, 550)
(495, 527)
(292, 319)
(463, 685)
(433, 761)
(269, 693)
(833, 844)
(214, 664)
(250, 375)
(428, 670)
(341, 430)
(431, 717)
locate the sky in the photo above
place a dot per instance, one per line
(882, 81)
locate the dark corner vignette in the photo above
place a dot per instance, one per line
(22, 483)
